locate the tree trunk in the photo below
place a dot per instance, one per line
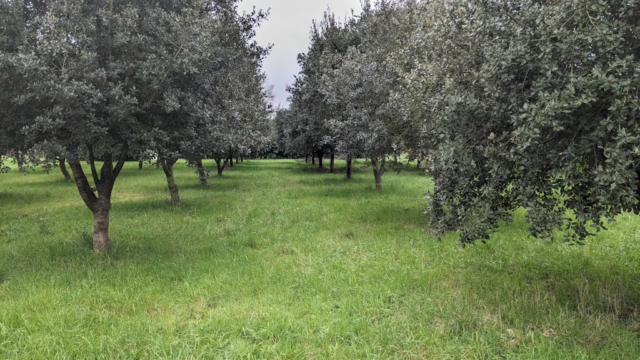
(167, 167)
(101, 240)
(419, 164)
(349, 171)
(378, 171)
(221, 165)
(140, 165)
(202, 173)
(241, 158)
(230, 161)
(63, 168)
(332, 162)
(20, 161)
(306, 159)
(313, 158)
(320, 156)
(99, 205)
(237, 160)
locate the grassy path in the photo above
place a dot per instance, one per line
(275, 260)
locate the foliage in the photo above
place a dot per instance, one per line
(341, 99)
(531, 104)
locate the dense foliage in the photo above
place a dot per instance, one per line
(529, 104)
(515, 104)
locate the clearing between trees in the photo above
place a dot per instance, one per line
(276, 260)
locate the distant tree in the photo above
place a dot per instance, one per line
(237, 112)
(360, 84)
(308, 128)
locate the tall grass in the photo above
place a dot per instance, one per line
(276, 260)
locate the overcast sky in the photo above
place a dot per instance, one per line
(288, 29)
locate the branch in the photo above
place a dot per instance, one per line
(119, 166)
(92, 162)
(86, 192)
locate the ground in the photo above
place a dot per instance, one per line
(276, 260)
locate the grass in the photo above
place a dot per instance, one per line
(276, 261)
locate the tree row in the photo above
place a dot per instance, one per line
(104, 82)
(519, 104)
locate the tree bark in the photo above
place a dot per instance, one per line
(140, 165)
(306, 159)
(349, 171)
(221, 165)
(101, 240)
(378, 171)
(320, 156)
(99, 205)
(241, 158)
(202, 174)
(20, 161)
(63, 168)
(313, 158)
(332, 162)
(230, 161)
(167, 167)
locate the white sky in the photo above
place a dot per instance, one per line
(288, 28)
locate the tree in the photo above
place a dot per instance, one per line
(308, 130)
(530, 105)
(97, 75)
(236, 116)
(16, 107)
(361, 82)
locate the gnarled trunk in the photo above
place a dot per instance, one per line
(332, 162)
(63, 168)
(202, 173)
(349, 171)
(99, 205)
(378, 171)
(167, 167)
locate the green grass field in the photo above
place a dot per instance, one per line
(277, 261)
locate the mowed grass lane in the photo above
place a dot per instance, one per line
(275, 260)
